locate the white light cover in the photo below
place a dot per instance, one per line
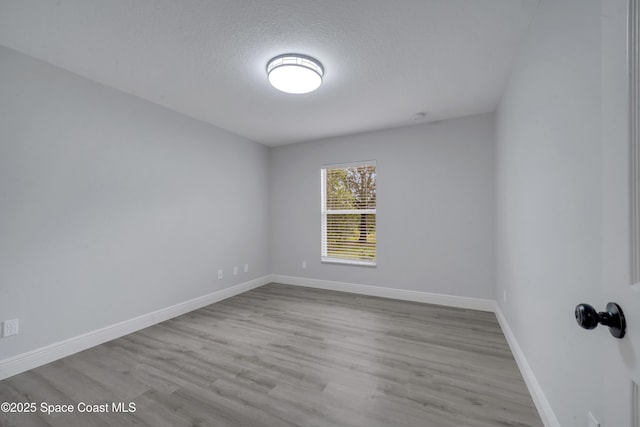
(293, 73)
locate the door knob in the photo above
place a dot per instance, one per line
(588, 318)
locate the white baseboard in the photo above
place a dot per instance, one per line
(32, 359)
(400, 294)
(539, 399)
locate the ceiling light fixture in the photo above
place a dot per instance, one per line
(293, 73)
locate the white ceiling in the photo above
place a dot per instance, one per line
(384, 60)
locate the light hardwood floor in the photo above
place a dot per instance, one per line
(288, 356)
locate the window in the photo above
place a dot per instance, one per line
(349, 214)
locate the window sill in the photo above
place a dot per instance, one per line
(329, 260)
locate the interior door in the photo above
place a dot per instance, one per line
(621, 208)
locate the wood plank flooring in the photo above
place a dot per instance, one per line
(288, 356)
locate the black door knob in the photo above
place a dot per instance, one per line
(588, 318)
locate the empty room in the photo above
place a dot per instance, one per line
(320, 213)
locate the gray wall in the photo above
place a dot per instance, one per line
(112, 207)
(435, 207)
(549, 202)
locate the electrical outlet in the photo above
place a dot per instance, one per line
(10, 327)
(246, 268)
(304, 264)
(592, 421)
(235, 270)
(219, 274)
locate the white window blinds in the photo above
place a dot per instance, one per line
(349, 213)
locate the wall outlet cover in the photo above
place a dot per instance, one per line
(10, 327)
(219, 274)
(246, 268)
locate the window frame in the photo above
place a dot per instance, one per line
(324, 212)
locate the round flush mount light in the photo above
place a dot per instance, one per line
(293, 73)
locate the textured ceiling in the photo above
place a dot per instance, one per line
(384, 60)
